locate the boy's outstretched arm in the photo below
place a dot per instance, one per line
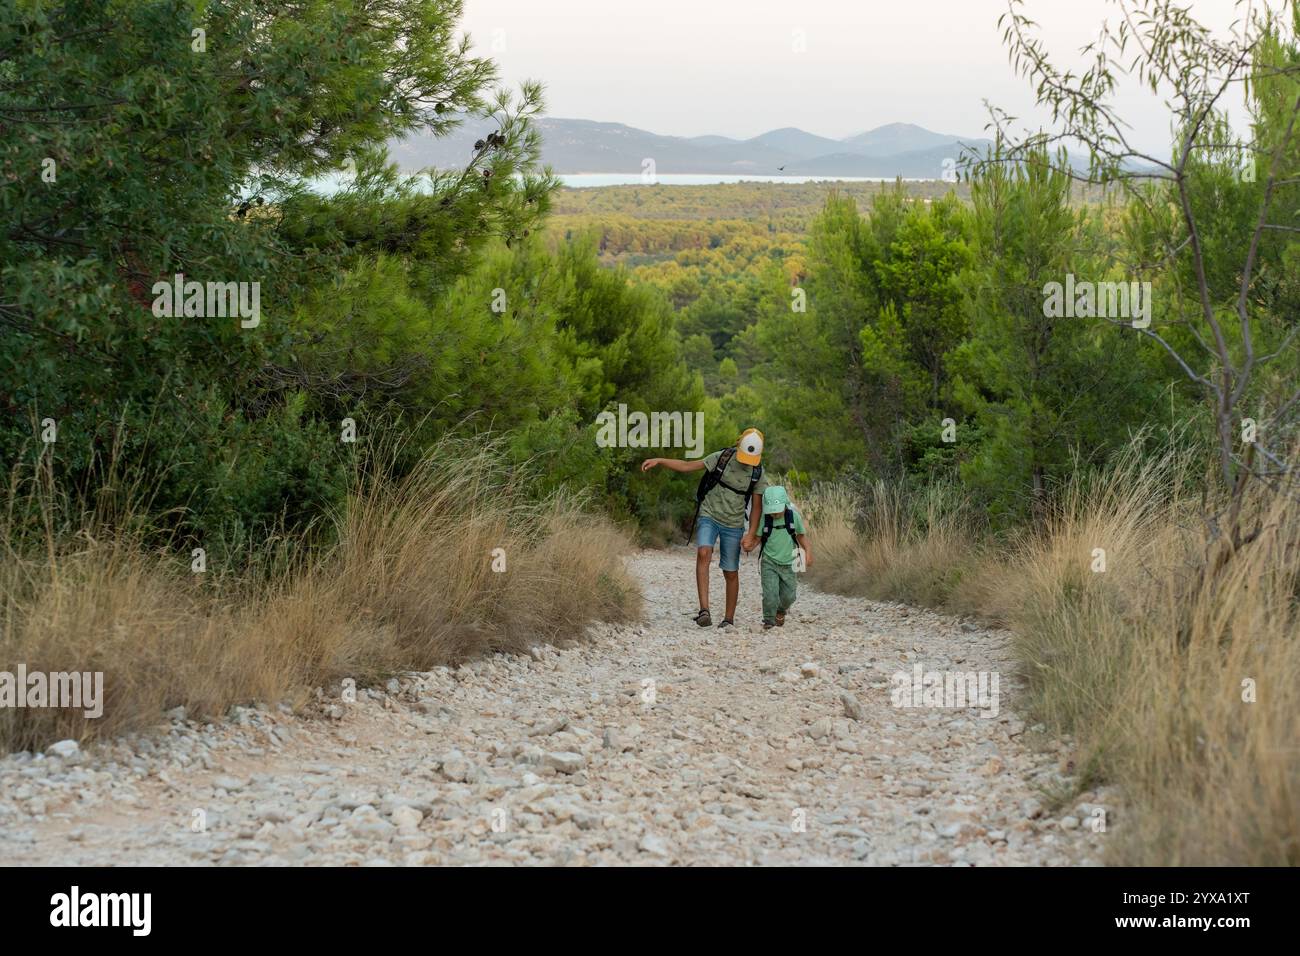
(676, 464)
(807, 550)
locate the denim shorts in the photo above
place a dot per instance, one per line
(707, 533)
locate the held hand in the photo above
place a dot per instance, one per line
(649, 463)
(748, 543)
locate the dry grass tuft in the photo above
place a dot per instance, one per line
(409, 584)
(1146, 663)
(892, 542)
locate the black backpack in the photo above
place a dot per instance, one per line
(713, 477)
(767, 530)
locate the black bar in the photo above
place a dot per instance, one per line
(942, 906)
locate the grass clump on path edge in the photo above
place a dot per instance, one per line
(406, 582)
(1181, 688)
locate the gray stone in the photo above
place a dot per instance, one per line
(406, 817)
(64, 749)
(553, 726)
(565, 761)
(654, 845)
(852, 709)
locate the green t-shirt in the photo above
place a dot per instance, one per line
(726, 507)
(779, 548)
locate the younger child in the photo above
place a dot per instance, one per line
(783, 530)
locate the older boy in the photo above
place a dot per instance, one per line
(732, 477)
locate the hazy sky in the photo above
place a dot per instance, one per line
(689, 67)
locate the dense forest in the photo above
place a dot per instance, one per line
(854, 320)
(408, 308)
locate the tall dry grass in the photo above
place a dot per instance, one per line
(1149, 663)
(894, 542)
(407, 585)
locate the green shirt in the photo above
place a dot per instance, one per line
(726, 507)
(779, 548)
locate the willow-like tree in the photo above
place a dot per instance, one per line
(1217, 213)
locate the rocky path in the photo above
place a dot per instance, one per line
(652, 744)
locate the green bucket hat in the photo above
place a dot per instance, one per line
(775, 500)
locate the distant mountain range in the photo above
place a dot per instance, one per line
(586, 146)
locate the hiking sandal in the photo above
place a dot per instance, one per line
(780, 619)
(726, 622)
(704, 619)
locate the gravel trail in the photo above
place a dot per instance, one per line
(650, 744)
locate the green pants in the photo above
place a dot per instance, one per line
(779, 589)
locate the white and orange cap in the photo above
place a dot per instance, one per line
(749, 450)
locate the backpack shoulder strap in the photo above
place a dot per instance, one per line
(789, 525)
(713, 475)
(754, 476)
